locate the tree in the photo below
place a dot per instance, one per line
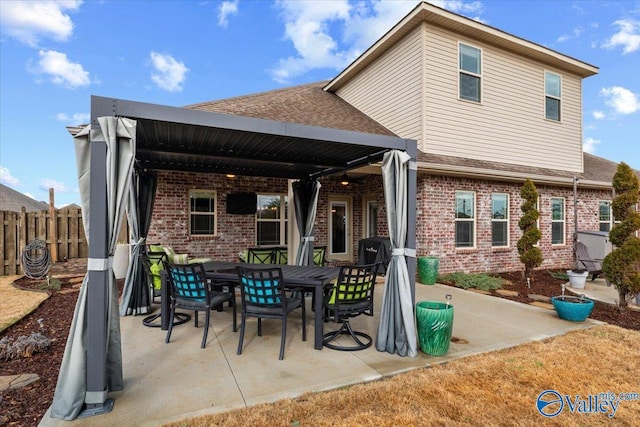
(621, 267)
(530, 255)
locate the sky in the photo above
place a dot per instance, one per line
(55, 54)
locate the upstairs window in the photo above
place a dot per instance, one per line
(553, 92)
(465, 219)
(499, 220)
(557, 221)
(470, 59)
(202, 213)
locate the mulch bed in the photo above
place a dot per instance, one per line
(27, 405)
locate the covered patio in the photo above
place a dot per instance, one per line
(127, 138)
(160, 387)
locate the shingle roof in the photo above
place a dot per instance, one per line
(598, 171)
(306, 104)
(12, 200)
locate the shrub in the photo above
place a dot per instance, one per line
(530, 255)
(481, 281)
(621, 267)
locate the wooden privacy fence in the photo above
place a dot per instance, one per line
(64, 236)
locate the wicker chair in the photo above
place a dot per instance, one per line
(189, 289)
(263, 296)
(350, 296)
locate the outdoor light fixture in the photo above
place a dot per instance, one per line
(344, 180)
(230, 175)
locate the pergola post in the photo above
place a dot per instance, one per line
(96, 401)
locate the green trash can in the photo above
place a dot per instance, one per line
(435, 325)
(428, 269)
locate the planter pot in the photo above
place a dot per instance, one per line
(575, 309)
(435, 325)
(577, 280)
(428, 269)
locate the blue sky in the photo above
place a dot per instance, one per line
(54, 55)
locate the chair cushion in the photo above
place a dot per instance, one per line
(261, 292)
(360, 290)
(188, 286)
(156, 268)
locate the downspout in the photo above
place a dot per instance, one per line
(575, 219)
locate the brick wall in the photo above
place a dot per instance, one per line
(435, 212)
(435, 224)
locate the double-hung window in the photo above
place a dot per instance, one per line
(470, 69)
(604, 215)
(271, 220)
(557, 221)
(465, 219)
(499, 220)
(552, 95)
(202, 213)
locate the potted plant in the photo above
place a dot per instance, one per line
(577, 277)
(573, 308)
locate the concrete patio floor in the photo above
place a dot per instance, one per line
(169, 382)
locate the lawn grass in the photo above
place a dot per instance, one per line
(497, 388)
(16, 303)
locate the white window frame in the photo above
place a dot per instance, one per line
(212, 195)
(367, 202)
(558, 97)
(538, 204)
(608, 222)
(472, 219)
(283, 217)
(558, 221)
(504, 220)
(462, 71)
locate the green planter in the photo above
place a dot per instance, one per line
(428, 269)
(435, 325)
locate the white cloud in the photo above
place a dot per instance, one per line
(333, 34)
(589, 145)
(622, 100)
(226, 9)
(62, 71)
(57, 186)
(7, 178)
(598, 115)
(29, 21)
(628, 36)
(169, 73)
(73, 119)
(577, 32)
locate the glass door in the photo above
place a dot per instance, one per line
(339, 228)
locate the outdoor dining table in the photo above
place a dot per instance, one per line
(295, 276)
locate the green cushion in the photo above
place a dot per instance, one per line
(359, 292)
(156, 268)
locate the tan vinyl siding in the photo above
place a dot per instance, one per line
(390, 89)
(509, 124)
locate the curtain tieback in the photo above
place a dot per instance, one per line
(308, 239)
(99, 264)
(403, 252)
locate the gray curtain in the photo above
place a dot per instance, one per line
(397, 330)
(136, 294)
(71, 390)
(305, 197)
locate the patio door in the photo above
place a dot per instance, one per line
(339, 228)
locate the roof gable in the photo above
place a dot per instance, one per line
(13, 201)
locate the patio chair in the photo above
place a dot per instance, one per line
(319, 256)
(190, 291)
(263, 296)
(593, 266)
(350, 296)
(260, 255)
(280, 256)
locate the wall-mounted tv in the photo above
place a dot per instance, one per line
(242, 203)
